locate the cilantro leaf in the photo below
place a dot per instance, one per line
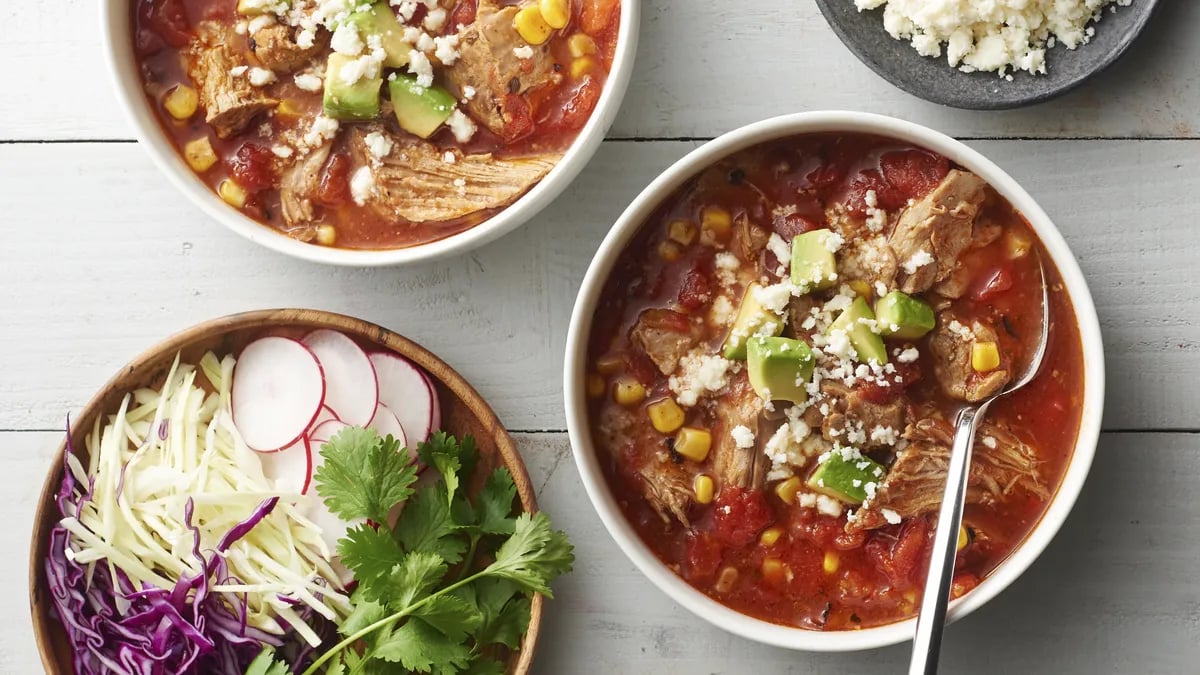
(369, 552)
(425, 526)
(266, 664)
(408, 582)
(451, 458)
(451, 615)
(363, 476)
(504, 614)
(534, 555)
(365, 613)
(420, 647)
(485, 666)
(494, 503)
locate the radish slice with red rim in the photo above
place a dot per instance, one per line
(435, 410)
(321, 433)
(277, 392)
(385, 423)
(404, 390)
(351, 388)
(291, 468)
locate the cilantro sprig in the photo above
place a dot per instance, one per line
(450, 579)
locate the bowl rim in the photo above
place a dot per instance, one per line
(45, 627)
(118, 52)
(629, 223)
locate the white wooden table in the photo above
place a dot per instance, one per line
(100, 257)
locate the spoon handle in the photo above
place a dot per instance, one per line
(928, 641)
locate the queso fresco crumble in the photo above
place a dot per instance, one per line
(1000, 36)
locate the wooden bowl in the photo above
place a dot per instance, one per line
(463, 412)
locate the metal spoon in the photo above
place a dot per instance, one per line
(932, 619)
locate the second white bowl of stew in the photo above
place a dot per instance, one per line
(766, 359)
(371, 132)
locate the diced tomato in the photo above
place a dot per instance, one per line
(826, 175)
(704, 554)
(576, 110)
(821, 530)
(518, 118)
(962, 584)
(253, 167)
(993, 283)
(904, 376)
(694, 291)
(641, 367)
(912, 172)
(164, 19)
(335, 184)
(597, 15)
(898, 560)
(871, 180)
(849, 541)
(463, 15)
(789, 225)
(740, 515)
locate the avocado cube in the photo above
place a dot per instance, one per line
(419, 110)
(902, 316)
(779, 368)
(866, 342)
(813, 265)
(752, 319)
(845, 479)
(346, 100)
(381, 20)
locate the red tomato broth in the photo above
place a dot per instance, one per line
(878, 573)
(163, 29)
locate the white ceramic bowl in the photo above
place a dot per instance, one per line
(641, 209)
(118, 45)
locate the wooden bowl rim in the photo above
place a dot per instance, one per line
(435, 367)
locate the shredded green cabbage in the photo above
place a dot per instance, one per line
(165, 446)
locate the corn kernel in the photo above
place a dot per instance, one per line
(726, 579)
(702, 485)
(715, 225)
(326, 235)
(861, 288)
(629, 392)
(773, 569)
(199, 154)
(581, 44)
(1017, 243)
(682, 231)
(830, 564)
(963, 538)
(531, 26)
(770, 536)
(595, 385)
(665, 415)
(556, 13)
(669, 251)
(181, 102)
(289, 107)
(787, 489)
(985, 357)
(609, 364)
(582, 66)
(232, 193)
(909, 596)
(693, 443)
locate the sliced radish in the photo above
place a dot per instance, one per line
(324, 416)
(386, 424)
(404, 390)
(291, 468)
(321, 433)
(351, 389)
(435, 410)
(277, 391)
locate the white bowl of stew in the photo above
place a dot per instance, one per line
(379, 135)
(715, 485)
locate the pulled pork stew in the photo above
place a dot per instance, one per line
(779, 355)
(368, 123)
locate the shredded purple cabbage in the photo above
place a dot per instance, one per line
(114, 628)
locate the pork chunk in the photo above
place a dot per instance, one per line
(665, 336)
(230, 103)
(950, 347)
(275, 48)
(488, 64)
(850, 410)
(1001, 465)
(414, 183)
(934, 231)
(743, 467)
(299, 184)
(668, 490)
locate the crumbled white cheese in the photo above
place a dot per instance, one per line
(362, 182)
(425, 43)
(881, 289)
(908, 355)
(460, 182)
(308, 81)
(238, 71)
(461, 126)
(378, 144)
(782, 252)
(700, 373)
(468, 92)
(346, 40)
(282, 151)
(775, 297)
(449, 157)
(419, 65)
(918, 260)
(445, 49)
(259, 22)
(406, 8)
(721, 311)
(884, 435)
(435, 19)
(261, 77)
(829, 506)
(891, 516)
(742, 436)
(990, 442)
(323, 129)
(877, 218)
(525, 52)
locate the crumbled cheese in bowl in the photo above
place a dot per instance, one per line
(993, 35)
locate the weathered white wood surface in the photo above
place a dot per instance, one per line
(100, 257)
(703, 68)
(1115, 592)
